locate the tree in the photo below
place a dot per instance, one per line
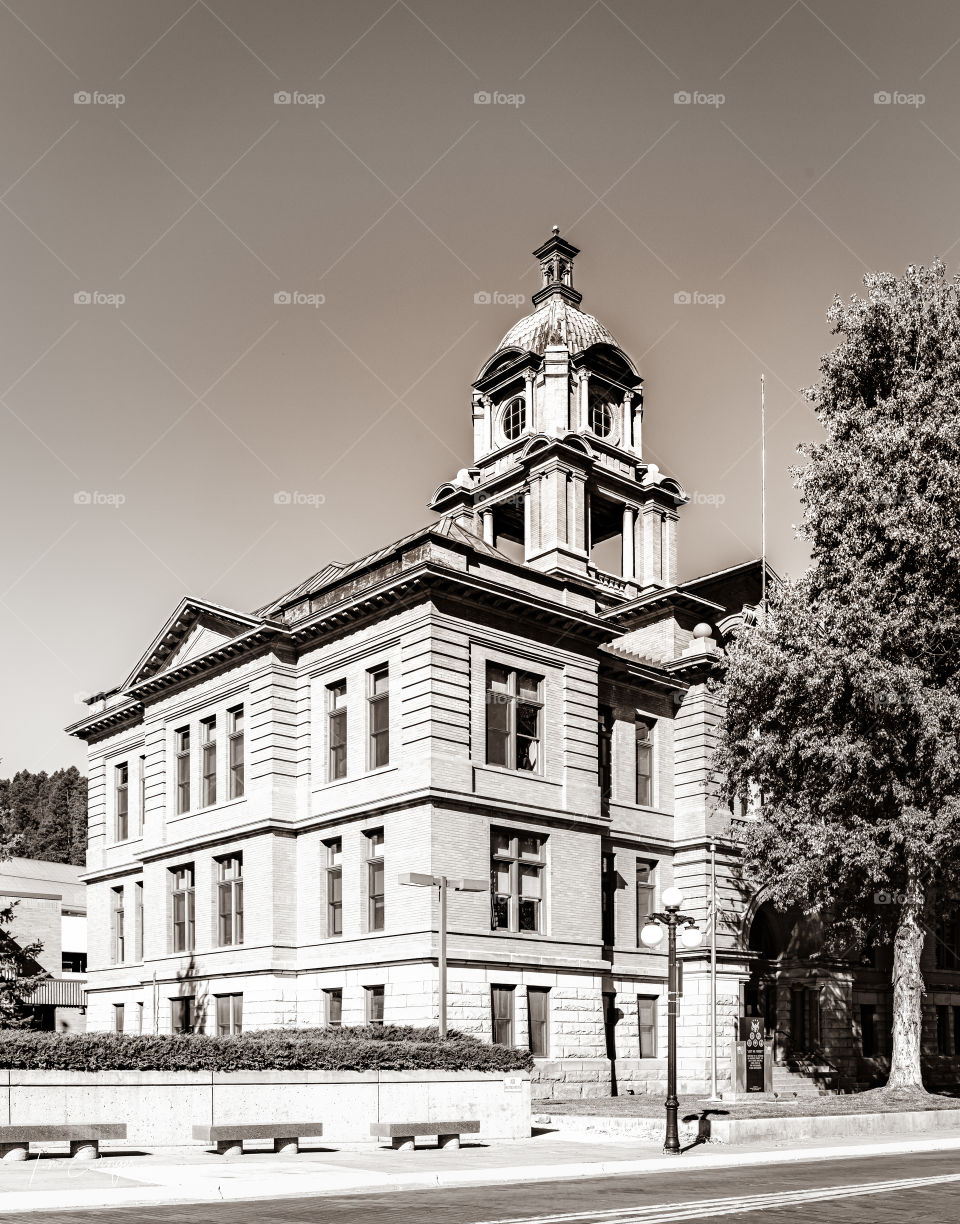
(19, 971)
(47, 813)
(843, 701)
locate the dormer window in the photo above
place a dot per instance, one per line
(601, 412)
(514, 419)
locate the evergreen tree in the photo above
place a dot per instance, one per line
(843, 701)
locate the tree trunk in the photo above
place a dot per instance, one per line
(907, 991)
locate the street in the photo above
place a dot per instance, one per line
(919, 1186)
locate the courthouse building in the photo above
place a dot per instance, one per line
(518, 692)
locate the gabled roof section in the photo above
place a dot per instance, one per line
(194, 628)
(335, 572)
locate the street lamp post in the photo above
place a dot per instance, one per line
(690, 937)
(420, 880)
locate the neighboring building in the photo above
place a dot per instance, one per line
(50, 905)
(483, 698)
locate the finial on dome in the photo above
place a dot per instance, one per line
(556, 258)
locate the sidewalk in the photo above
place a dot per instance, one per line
(165, 1176)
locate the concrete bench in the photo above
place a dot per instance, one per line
(84, 1138)
(404, 1134)
(229, 1136)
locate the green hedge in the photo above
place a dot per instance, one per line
(368, 1048)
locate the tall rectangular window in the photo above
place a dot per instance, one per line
(501, 999)
(644, 737)
(230, 900)
(121, 777)
(337, 730)
(647, 1026)
(374, 1004)
(868, 1030)
(333, 1008)
(538, 1006)
(235, 752)
(116, 918)
(182, 738)
(517, 870)
(605, 759)
(184, 922)
(956, 1030)
(334, 888)
(608, 898)
(375, 906)
(208, 761)
(646, 885)
(141, 791)
(378, 715)
(229, 1015)
(514, 714)
(118, 1017)
(138, 918)
(946, 944)
(943, 1029)
(182, 1013)
(139, 1018)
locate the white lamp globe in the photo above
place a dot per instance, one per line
(651, 934)
(691, 937)
(672, 898)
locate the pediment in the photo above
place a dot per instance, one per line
(194, 629)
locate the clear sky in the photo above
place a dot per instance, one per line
(144, 441)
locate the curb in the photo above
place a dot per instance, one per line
(304, 1185)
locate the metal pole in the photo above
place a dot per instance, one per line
(672, 1142)
(443, 957)
(763, 498)
(713, 971)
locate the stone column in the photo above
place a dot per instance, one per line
(486, 517)
(584, 423)
(528, 399)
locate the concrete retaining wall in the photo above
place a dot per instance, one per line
(161, 1107)
(831, 1126)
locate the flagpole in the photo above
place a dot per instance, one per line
(763, 497)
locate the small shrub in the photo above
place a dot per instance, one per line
(365, 1048)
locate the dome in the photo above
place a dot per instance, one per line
(556, 321)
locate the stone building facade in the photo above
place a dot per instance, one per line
(518, 692)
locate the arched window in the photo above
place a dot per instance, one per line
(514, 419)
(601, 411)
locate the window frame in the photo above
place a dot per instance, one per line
(378, 707)
(605, 725)
(514, 860)
(236, 752)
(646, 890)
(370, 996)
(943, 1028)
(118, 937)
(538, 1045)
(334, 884)
(376, 899)
(138, 919)
(506, 1018)
(189, 920)
(513, 700)
(228, 1014)
(186, 1005)
(333, 1002)
(183, 757)
(118, 1018)
(337, 731)
(508, 416)
(208, 761)
(121, 799)
(645, 751)
(647, 1028)
(230, 890)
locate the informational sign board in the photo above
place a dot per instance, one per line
(752, 1034)
(512, 1083)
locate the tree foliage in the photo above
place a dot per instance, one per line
(44, 816)
(843, 701)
